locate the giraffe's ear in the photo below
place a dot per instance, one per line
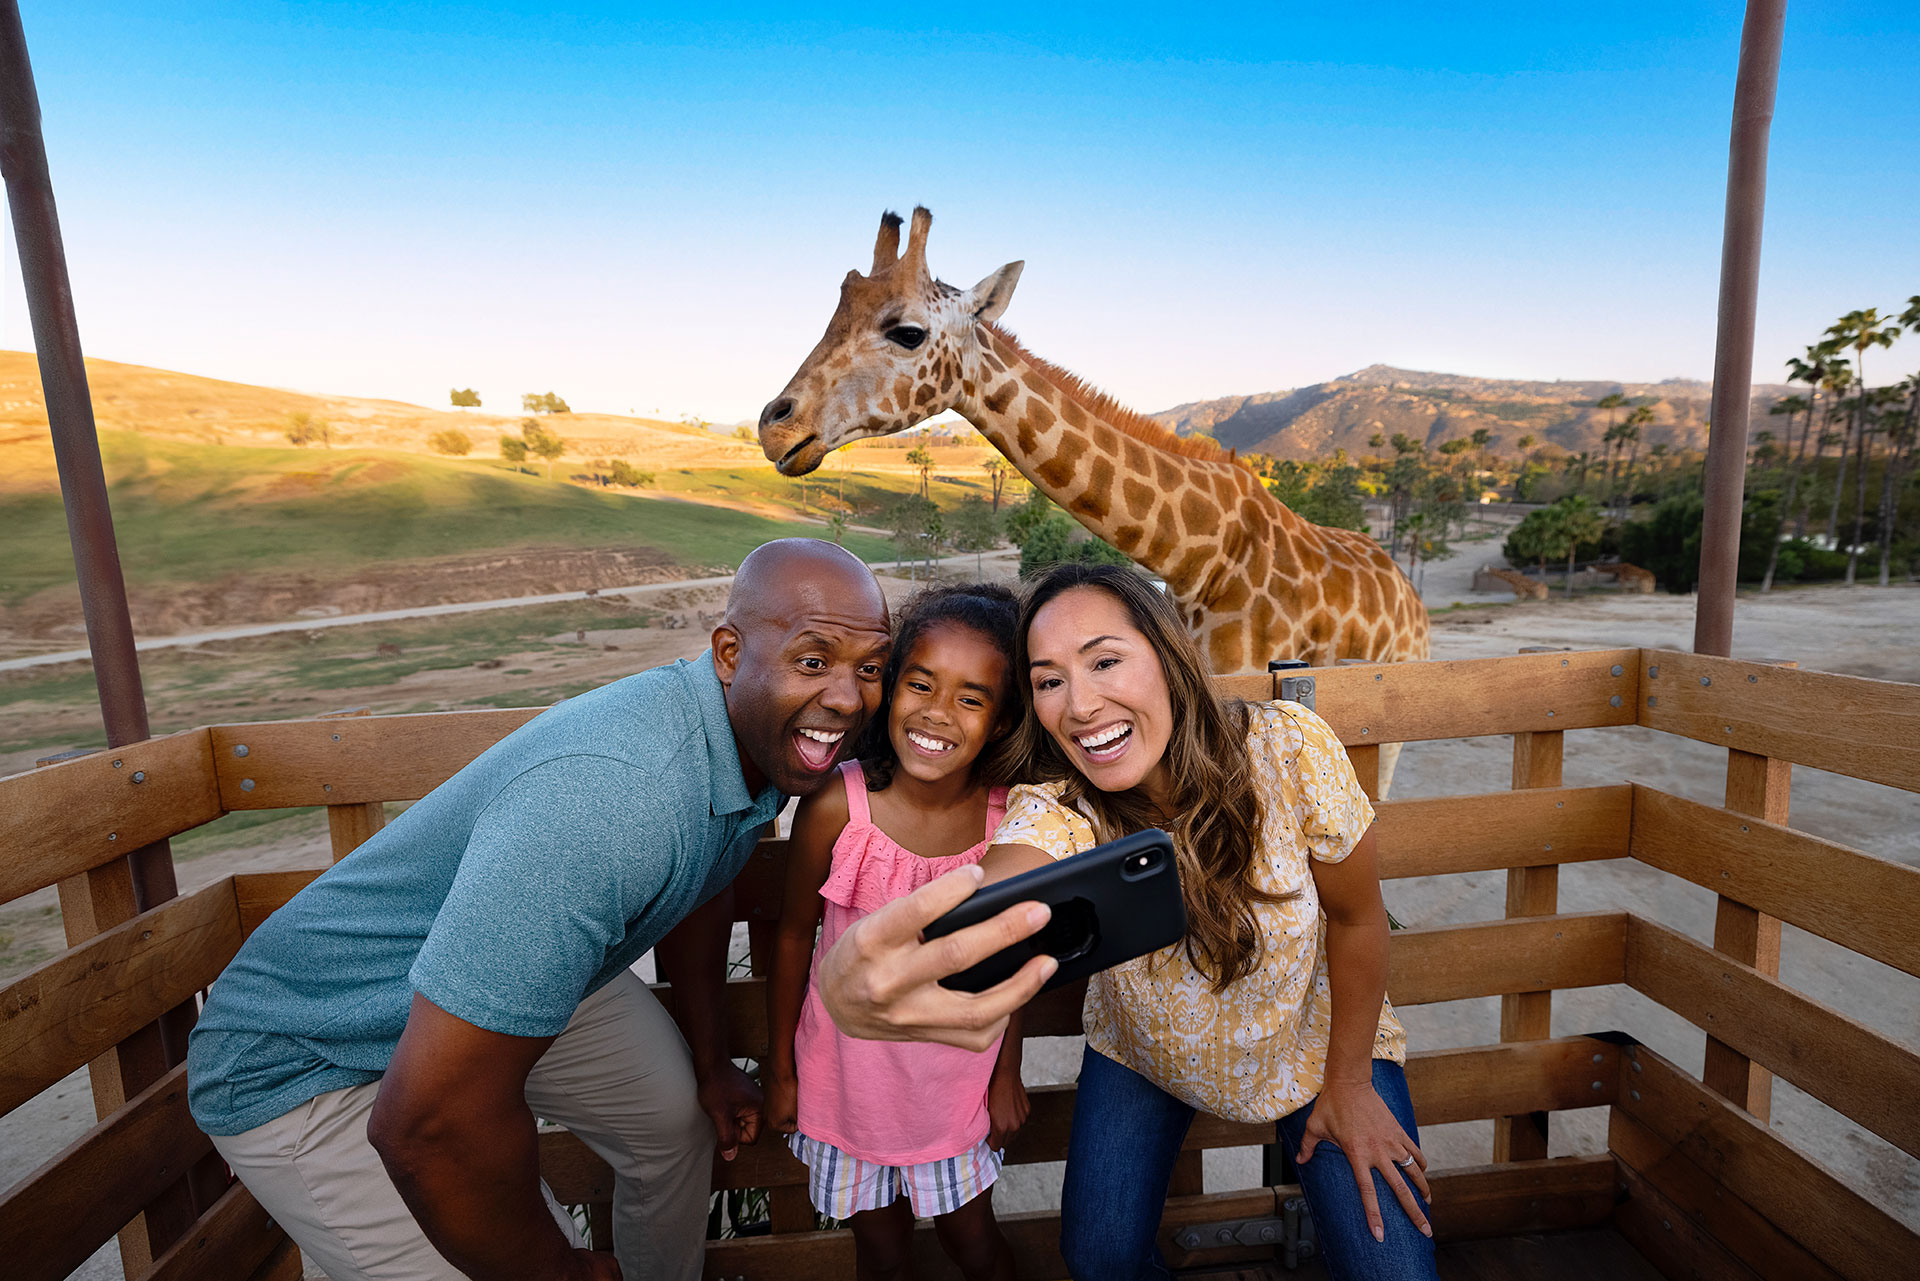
(990, 297)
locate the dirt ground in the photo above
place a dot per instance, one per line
(1863, 631)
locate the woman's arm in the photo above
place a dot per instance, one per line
(1003, 861)
(1348, 1110)
(816, 826)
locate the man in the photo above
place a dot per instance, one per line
(372, 1062)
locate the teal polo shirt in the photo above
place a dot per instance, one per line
(507, 895)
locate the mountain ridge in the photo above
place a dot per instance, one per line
(1433, 407)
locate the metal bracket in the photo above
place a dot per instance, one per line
(1293, 689)
(1290, 1233)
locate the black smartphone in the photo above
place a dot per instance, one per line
(1110, 904)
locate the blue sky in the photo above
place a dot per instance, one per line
(645, 211)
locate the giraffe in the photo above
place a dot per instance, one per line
(1253, 580)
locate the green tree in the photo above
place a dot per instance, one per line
(451, 441)
(543, 403)
(1532, 541)
(1046, 535)
(305, 429)
(1610, 403)
(997, 469)
(542, 443)
(465, 398)
(1574, 521)
(625, 474)
(1629, 433)
(513, 449)
(920, 458)
(976, 529)
(746, 433)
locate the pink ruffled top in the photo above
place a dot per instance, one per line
(889, 1102)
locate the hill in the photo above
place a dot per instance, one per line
(1345, 413)
(214, 535)
(211, 411)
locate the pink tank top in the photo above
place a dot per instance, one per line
(889, 1102)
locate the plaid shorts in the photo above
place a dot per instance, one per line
(841, 1185)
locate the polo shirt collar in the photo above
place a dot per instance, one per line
(726, 786)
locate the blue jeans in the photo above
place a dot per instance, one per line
(1127, 1132)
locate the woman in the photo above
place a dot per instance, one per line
(1263, 1013)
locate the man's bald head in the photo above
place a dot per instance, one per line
(801, 652)
(790, 578)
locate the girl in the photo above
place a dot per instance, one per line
(1274, 1006)
(872, 1118)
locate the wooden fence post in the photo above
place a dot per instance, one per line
(351, 825)
(1531, 891)
(1760, 786)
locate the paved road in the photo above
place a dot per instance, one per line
(391, 615)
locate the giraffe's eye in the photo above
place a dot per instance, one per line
(908, 336)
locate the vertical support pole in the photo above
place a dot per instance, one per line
(1531, 891)
(1753, 95)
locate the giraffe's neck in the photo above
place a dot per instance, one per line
(1166, 509)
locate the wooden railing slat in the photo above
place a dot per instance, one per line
(233, 1241)
(352, 760)
(1791, 1192)
(1531, 954)
(1846, 724)
(1475, 697)
(63, 820)
(78, 1005)
(56, 1217)
(1853, 898)
(1843, 1063)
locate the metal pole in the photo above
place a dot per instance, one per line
(1726, 477)
(76, 447)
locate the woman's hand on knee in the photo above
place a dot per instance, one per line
(1356, 1120)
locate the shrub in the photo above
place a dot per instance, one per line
(453, 442)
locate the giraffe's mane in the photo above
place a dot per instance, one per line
(1110, 411)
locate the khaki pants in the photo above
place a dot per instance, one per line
(619, 1077)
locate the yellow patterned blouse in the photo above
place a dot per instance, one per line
(1257, 1050)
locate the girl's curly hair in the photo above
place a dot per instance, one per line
(990, 609)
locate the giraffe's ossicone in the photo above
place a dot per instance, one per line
(1255, 580)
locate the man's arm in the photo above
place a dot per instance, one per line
(452, 1126)
(693, 958)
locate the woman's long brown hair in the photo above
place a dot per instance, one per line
(1212, 813)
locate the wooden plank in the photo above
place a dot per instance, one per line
(1366, 767)
(283, 1264)
(351, 760)
(1512, 1197)
(1730, 1222)
(351, 826)
(1523, 829)
(1672, 1242)
(260, 894)
(1853, 898)
(1447, 1085)
(232, 1241)
(1843, 1063)
(1793, 1193)
(58, 822)
(77, 1006)
(1498, 1080)
(55, 1218)
(1536, 954)
(1426, 837)
(1531, 891)
(1846, 724)
(1255, 687)
(1468, 698)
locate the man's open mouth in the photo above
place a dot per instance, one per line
(818, 747)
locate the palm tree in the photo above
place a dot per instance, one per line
(1609, 403)
(1839, 378)
(1788, 405)
(1861, 330)
(1642, 416)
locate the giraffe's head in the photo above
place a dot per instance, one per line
(895, 353)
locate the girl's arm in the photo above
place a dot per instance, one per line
(816, 826)
(1007, 1104)
(1349, 1111)
(1003, 861)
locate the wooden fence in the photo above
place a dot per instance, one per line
(1693, 1176)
